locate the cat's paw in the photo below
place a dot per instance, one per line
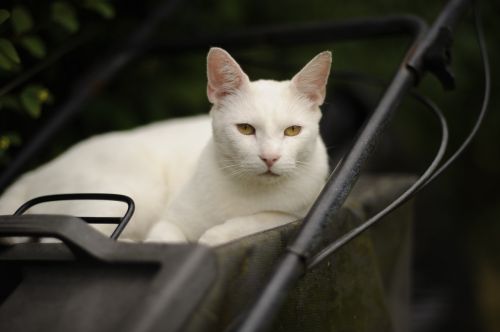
(164, 232)
(216, 236)
(231, 230)
(239, 227)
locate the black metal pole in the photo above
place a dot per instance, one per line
(341, 182)
(292, 35)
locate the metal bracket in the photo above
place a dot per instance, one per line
(437, 58)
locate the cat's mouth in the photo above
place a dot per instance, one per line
(269, 173)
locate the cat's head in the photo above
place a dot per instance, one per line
(265, 129)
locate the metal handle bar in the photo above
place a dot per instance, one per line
(122, 222)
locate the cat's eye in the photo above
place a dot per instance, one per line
(245, 129)
(293, 130)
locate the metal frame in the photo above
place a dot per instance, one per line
(294, 262)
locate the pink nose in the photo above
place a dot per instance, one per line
(269, 160)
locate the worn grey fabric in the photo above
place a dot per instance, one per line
(363, 287)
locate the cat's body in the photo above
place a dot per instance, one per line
(132, 163)
(260, 163)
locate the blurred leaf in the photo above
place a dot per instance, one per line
(32, 98)
(103, 8)
(34, 45)
(7, 49)
(65, 15)
(8, 140)
(30, 103)
(21, 20)
(5, 63)
(4, 142)
(4, 15)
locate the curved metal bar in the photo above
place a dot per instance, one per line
(415, 187)
(122, 222)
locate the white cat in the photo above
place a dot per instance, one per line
(259, 165)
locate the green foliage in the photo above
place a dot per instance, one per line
(28, 35)
(9, 51)
(34, 45)
(64, 14)
(21, 20)
(32, 97)
(7, 141)
(103, 8)
(4, 15)
(5, 63)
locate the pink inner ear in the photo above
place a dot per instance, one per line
(311, 80)
(313, 89)
(224, 75)
(213, 94)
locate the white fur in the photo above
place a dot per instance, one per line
(149, 164)
(191, 180)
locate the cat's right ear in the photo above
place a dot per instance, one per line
(225, 76)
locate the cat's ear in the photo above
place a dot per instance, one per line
(225, 76)
(311, 80)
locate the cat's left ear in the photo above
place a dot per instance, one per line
(311, 80)
(225, 76)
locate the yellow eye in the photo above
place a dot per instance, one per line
(292, 130)
(245, 129)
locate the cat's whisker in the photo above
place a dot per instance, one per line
(238, 173)
(302, 163)
(229, 166)
(228, 159)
